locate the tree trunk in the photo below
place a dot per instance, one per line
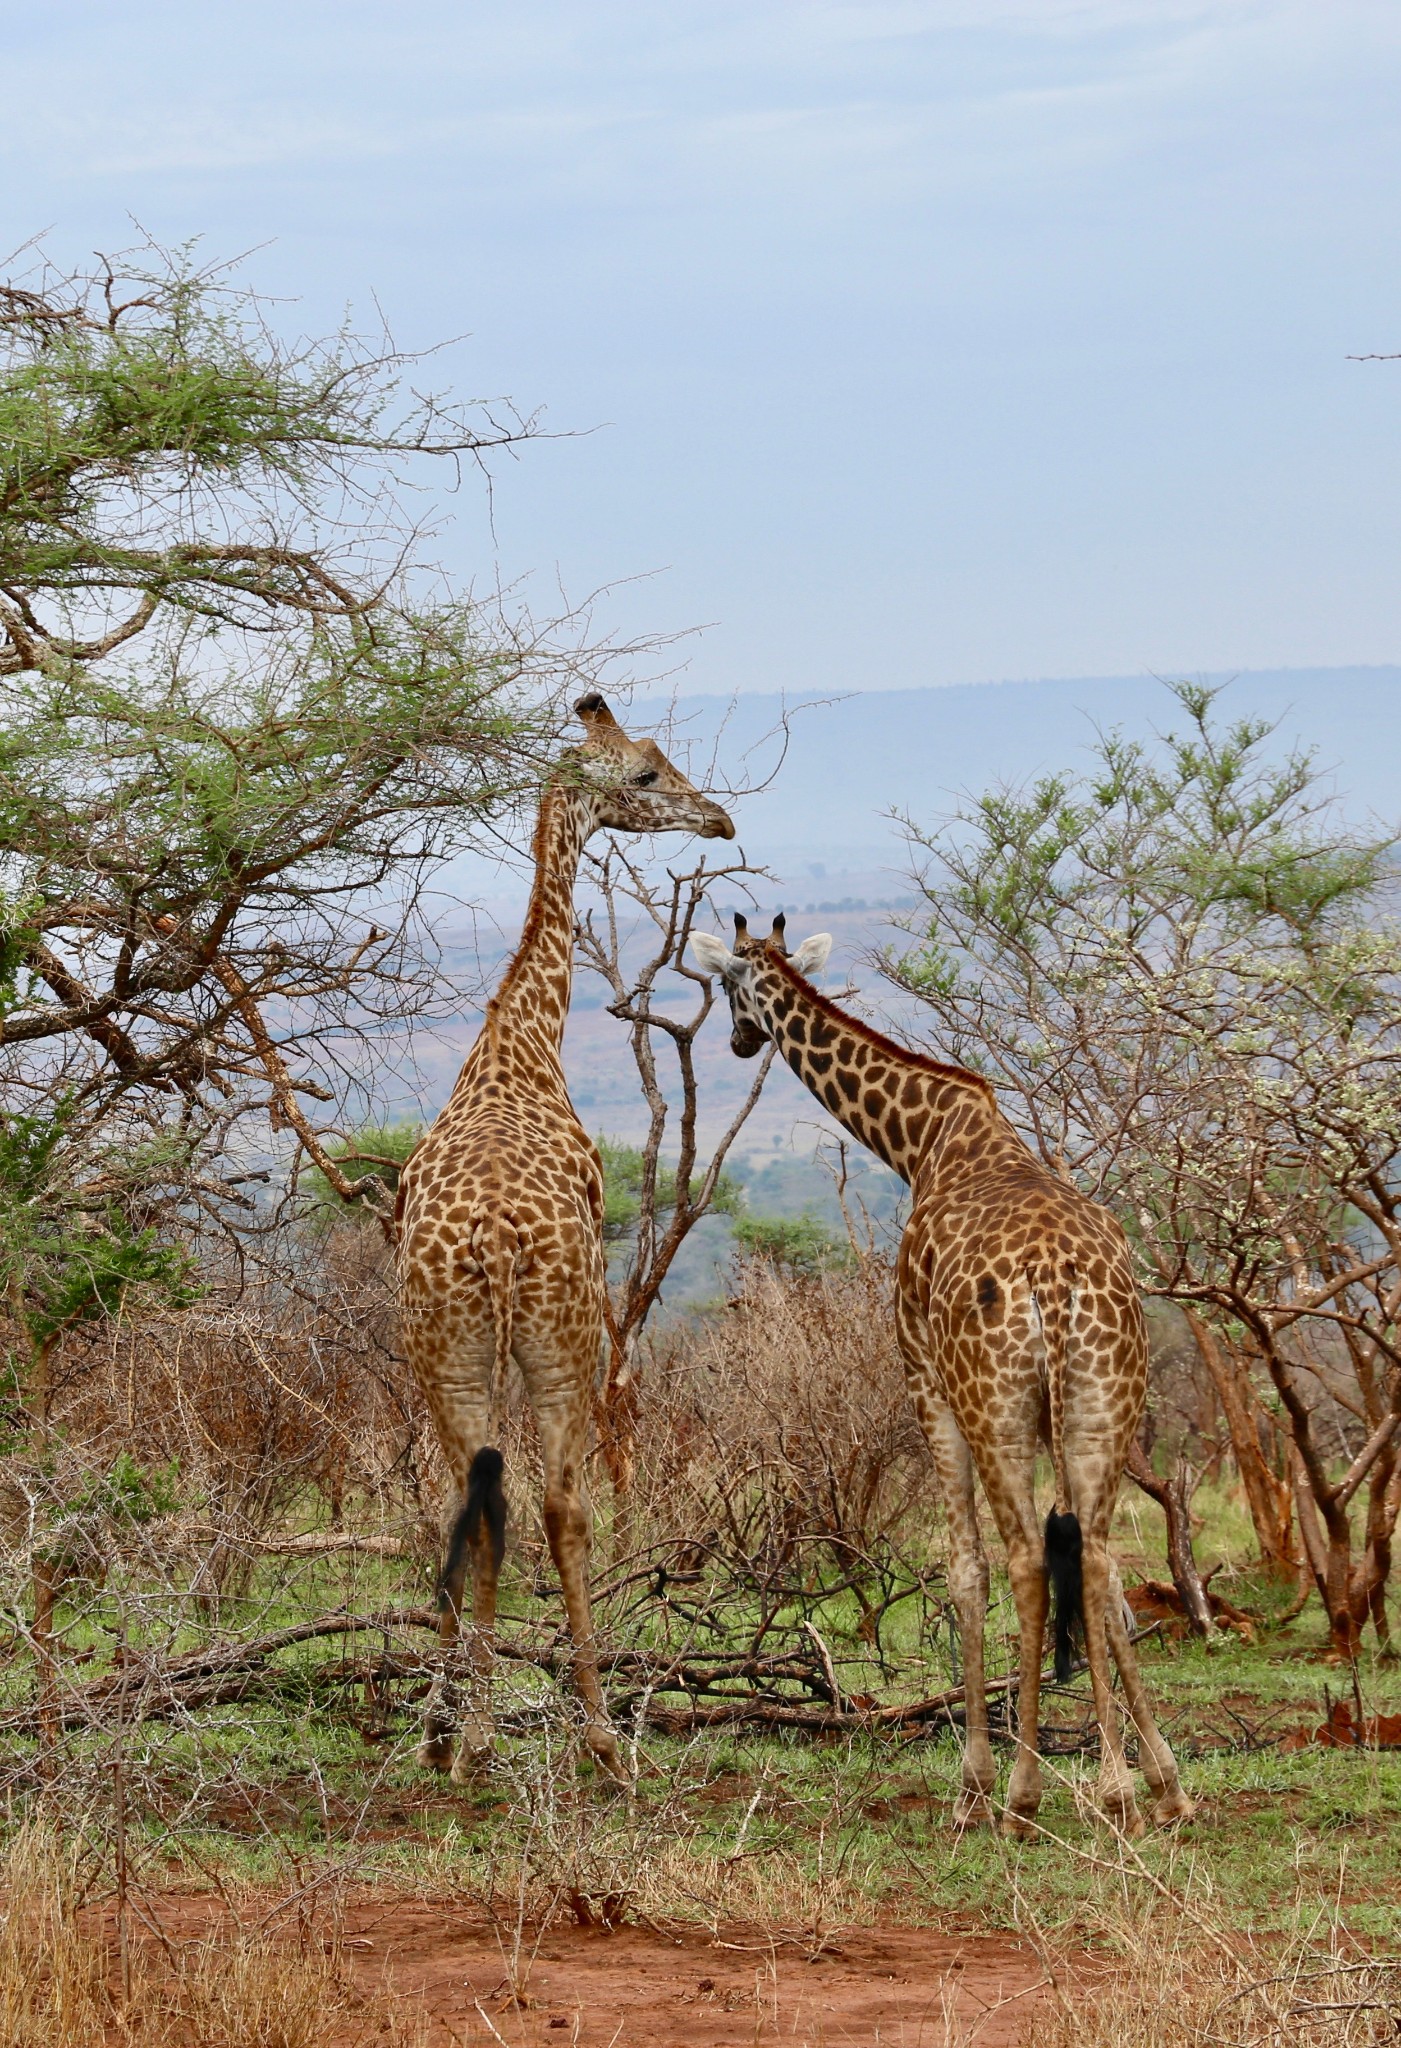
(616, 1414)
(1270, 1498)
(1351, 1593)
(1328, 1547)
(1383, 1506)
(1173, 1496)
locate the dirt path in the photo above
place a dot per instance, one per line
(640, 1989)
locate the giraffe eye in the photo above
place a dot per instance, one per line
(644, 778)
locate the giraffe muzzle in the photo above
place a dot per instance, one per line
(746, 1040)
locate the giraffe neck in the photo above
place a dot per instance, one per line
(534, 992)
(898, 1104)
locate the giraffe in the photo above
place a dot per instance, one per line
(1019, 1323)
(499, 1233)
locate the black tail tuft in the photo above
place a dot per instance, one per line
(1063, 1551)
(485, 1502)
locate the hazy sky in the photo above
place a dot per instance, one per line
(927, 342)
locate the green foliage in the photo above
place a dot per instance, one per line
(206, 798)
(380, 1151)
(158, 439)
(797, 1244)
(74, 1242)
(128, 1494)
(231, 711)
(18, 936)
(1187, 941)
(240, 718)
(624, 1170)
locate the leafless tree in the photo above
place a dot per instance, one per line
(675, 1192)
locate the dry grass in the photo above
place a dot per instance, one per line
(1178, 1982)
(64, 1984)
(794, 1397)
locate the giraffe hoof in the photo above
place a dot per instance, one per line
(471, 1765)
(1126, 1821)
(1173, 1809)
(1019, 1827)
(603, 1747)
(972, 1810)
(435, 1753)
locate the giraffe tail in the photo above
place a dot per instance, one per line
(485, 1501)
(1064, 1540)
(499, 1247)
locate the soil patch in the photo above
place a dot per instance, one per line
(637, 1987)
(689, 1990)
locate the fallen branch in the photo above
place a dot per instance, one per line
(219, 1676)
(313, 1543)
(139, 1690)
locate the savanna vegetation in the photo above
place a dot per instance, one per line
(243, 723)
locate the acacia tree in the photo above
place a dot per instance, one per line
(1181, 970)
(242, 717)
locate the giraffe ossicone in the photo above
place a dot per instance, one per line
(499, 1242)
(1020, 1324)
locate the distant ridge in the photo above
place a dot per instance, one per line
(920, 749)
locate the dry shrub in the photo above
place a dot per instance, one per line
(1178, 1983)
(281, 1392)
(785, 1420)
(61, 1980)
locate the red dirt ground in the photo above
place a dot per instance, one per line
(647, 1988)
(686, 1990)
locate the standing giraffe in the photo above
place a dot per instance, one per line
(1019, 1323)
(500, 1236)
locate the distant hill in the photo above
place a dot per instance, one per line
(838, 861)
(848, 763)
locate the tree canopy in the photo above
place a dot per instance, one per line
(1184, 970)
(243, 718)
(243, 715)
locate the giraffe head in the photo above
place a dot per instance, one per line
(741, 974)
(633, 787)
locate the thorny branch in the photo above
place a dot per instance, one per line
(684, 1191)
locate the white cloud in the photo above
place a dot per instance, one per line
(929, 91)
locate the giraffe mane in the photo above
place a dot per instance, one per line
(535, 915)
(944, 1069)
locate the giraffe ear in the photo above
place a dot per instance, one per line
(811, 956)
(711, 953)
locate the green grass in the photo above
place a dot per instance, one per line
(1277, 1838)
(799, 1833)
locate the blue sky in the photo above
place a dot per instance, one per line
(925, 342)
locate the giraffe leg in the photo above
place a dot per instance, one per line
(968, 1587)
(440, 1721)
(1116, 1794)
(459, 1410)
(1008, 1468)
(1026, 1568)
(485, 1536)
(567, 1527)
(476, 1539)
(1171, 1803)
